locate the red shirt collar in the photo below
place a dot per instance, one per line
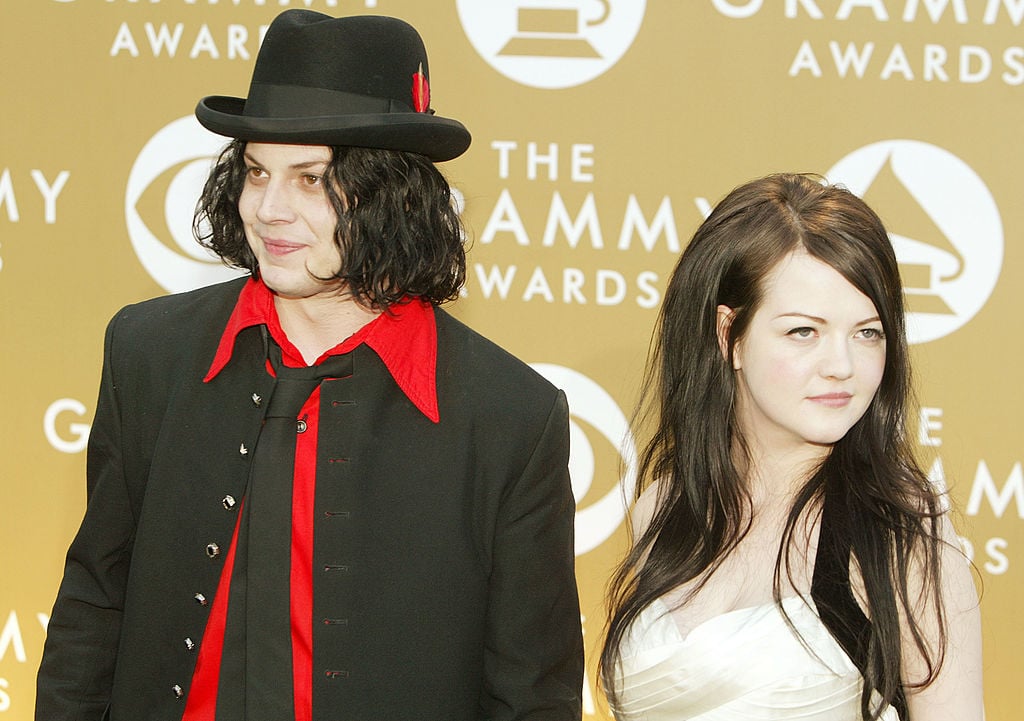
(405, 338)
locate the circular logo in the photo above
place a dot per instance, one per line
(545, 44)
(944, 226)
(175, 162)
(588, 402)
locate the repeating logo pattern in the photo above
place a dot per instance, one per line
(165, 246)
(546, 44)
(943, 223)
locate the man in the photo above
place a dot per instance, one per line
(313, 494)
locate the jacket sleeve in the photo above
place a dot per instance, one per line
(79, 656)
(534, 647)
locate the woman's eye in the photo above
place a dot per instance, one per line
(801, 332)
(872, 333)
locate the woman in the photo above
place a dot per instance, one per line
(791, 559)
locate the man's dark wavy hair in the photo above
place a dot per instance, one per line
(398, 231)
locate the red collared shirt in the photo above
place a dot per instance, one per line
(405, 339)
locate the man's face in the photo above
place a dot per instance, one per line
(289, 220)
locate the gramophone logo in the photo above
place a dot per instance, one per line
(551, 43)
(944, 226)
(163, 187)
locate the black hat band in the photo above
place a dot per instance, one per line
(276, 101)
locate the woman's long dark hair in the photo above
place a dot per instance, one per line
(398, 231)
(888, 510)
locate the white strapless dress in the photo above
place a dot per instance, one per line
(745, 664)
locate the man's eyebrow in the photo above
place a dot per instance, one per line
(305, 165)
(309, 164)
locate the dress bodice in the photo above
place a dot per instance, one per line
(744, 664)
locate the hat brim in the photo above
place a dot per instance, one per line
(437, 138)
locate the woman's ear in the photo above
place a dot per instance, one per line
(723, 325)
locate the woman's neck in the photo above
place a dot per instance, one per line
(775, 476)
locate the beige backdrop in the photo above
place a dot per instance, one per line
(603, 129)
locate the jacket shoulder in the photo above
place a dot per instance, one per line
(481, 382)
(466, 352)
(181, 311)
(167, 330)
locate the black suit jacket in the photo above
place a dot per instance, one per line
(457, 598)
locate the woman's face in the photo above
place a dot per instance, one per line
(810, 361)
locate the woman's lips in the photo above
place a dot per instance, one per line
(832, 400)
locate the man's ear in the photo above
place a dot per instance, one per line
(723, 325)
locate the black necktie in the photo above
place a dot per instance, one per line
(256, 670)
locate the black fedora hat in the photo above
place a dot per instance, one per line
(319, 80)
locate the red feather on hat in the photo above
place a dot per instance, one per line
(420, 91)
